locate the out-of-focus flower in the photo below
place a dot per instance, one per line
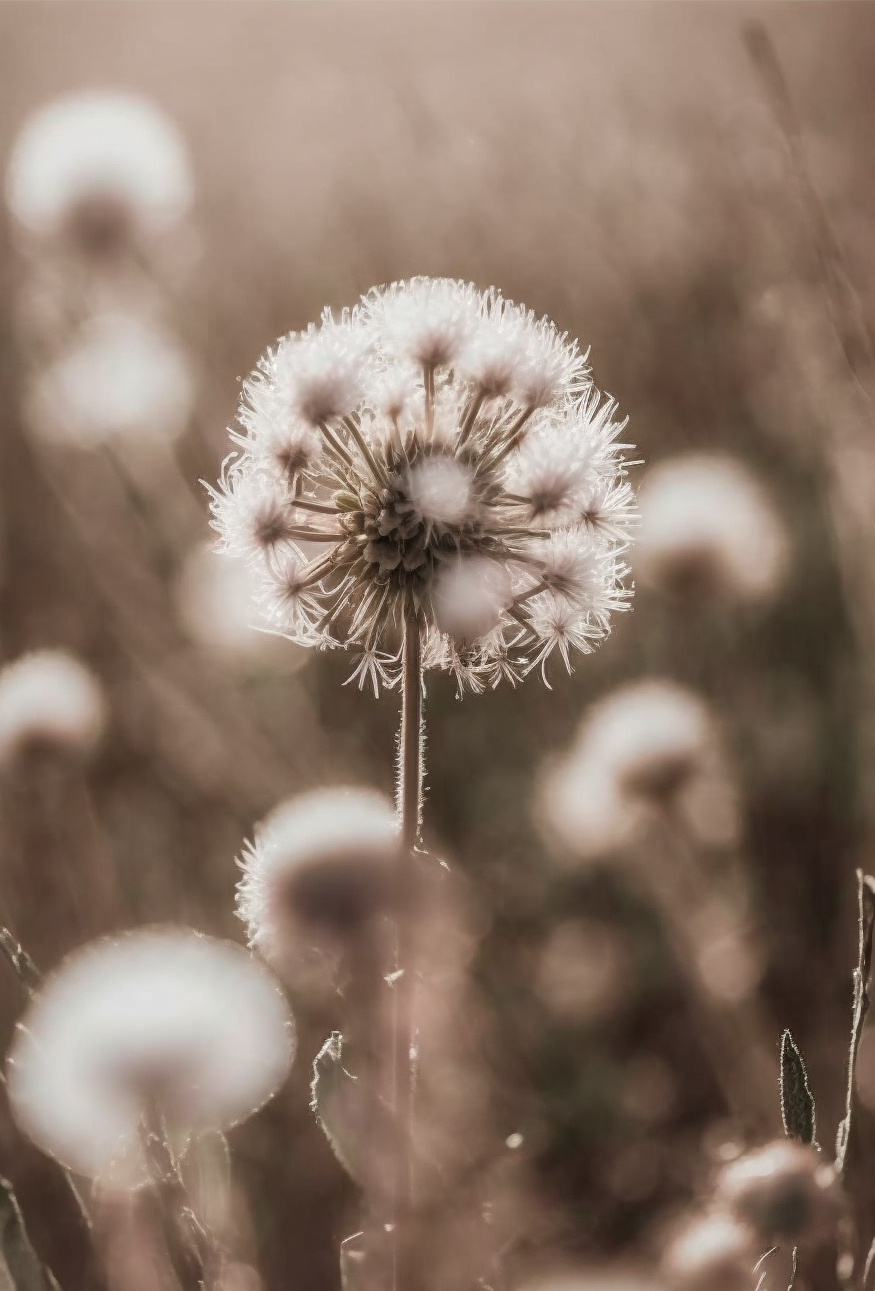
(49, 698)
(120, 379)
(784, 1191)
(613, 1277)
(433, 448)
(713, 1253)
(161, 1019)
(320, 862)
(97, 167)
(649, 746)
(213, 596)
(708, 527)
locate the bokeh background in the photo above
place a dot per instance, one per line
(621, 168)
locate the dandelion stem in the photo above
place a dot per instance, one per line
(322, 508)
(365, 450)
(470, 417)
(409, 806)
(428, 384)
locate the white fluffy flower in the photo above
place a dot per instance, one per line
(162, 1019)
(713, 1253)
(649, 745)
(49, 697)
(95, 165)
(431, 425)
(708, 526)
(120, 379)
(320, 861)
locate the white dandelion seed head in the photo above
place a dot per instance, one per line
(707, 525)
(163, 1017)
(96, 164)
(49, 697)
(714, 1252)
(784, 1191)
(320, 862)
(121, 380)
(649, 746)
(414, 460)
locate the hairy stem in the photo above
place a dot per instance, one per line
(409, 805)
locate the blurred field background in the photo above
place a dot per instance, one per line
(618, 168)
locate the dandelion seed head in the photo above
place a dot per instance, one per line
(713, 1253)
(96, 165)
(321, 861)
(784, 1191)
(49, 698)
(707, 526)
(163, 1017)
(405, 445)
(119, 380)
(649, 746)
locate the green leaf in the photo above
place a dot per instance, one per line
(20, 1269)
(798, 1111)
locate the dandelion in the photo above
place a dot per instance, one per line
(49, 698)
(784, 1191)
(162, 1020)
(649, 747)
(432, 441)
(707, 526)
(713, 1253)
(321, 861)
(97, 167)
(120, 379)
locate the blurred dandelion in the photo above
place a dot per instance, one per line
(784, 1191)
(708, 527)
(161, 1021)
(713, 1253)
(120, 380)
(649, 747)
(96, 169)
(322, 861)
(434, 449)
(49, 698)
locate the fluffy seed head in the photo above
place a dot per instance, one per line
(321, 862)
(96, 167)
(707, 526)
(120, 379)
(648, 747)
(784, 1191)
(430, 426)
(50, 698)
(161, 1018)
(713, 1253)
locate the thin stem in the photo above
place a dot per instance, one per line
(866, 917)
(428, 384)
(409, 806)
(191, 1249)
(301, 534)
(470, 417)
(322, 508)
(365, 449)
(334, 443)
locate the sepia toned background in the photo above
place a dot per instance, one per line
(620, 168)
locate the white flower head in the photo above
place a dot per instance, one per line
(49, 698)
(712, 1253)
(707, 525)
(96, 166)
(121, 379)
(649, 746)
(405, 452)
(159, 1019)
(321, 862)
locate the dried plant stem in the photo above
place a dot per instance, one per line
(191, 1249)
(409, 804)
